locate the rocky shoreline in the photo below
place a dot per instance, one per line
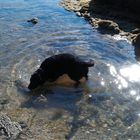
(107, 20)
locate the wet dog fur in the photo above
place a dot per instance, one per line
(55, 66)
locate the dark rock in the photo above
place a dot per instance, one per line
(33, 20)
(87, 16)
(108, 26)
(84, 9)
(9, 128)
(125, 6)
(136, 43)
(23, 125)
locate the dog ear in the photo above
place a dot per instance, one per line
(88, 64)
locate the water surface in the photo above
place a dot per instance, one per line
(106, 107)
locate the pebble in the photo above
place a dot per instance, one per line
(78, 14)
(33, 20)
(105, 125)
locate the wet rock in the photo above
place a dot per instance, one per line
(84, 9)
(136, 43)
(8, 128)
(23, 124)
(87, 16)
(107, 26)
(78, 14)
(135, 31)
(71, 5)
(33, 20)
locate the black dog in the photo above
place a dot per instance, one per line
(57, 65)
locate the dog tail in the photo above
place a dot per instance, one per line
(89, 64)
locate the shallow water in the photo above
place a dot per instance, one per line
(107, 106)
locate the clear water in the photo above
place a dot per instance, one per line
(106, 107)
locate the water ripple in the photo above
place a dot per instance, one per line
(114, 81)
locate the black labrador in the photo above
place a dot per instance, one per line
(57, 65)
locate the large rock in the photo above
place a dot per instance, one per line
(124, 8)
(128, 5)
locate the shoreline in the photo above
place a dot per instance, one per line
(112, 23)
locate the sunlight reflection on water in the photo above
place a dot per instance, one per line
(126, 74)
(125, 77)
(131, 72)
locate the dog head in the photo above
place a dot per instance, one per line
(36, 80)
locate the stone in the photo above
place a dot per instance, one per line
(87, 16)
(108, 26)
(33, 20)
(78, 14)
(84, 9)
(10, 129)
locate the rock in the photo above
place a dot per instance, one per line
(87, 16)
(9, 128)
(84, 9)
(107, 26)
(136, 43)
(135, 31)
(23, 124)
(132, 5)
(78, 14)
(33, 20)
